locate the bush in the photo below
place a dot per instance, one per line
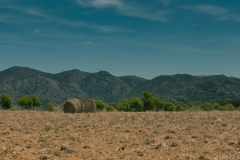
(136, 104)
(194, 108)
(228, 107)
(168, 106)
(148, 103)
(124, 105)
(35, 101)
(99, 105)
(109, 107)
(113, 104)
(29, 102)
(6, 101)
(180, 107)
(159, 105)
(207, 106)
(216, 106)
(189, 105)
(50, 107)
(25, 102)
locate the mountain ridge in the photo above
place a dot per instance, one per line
(57, 88)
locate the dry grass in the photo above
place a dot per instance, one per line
(119, 135)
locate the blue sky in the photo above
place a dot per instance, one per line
(124, 37)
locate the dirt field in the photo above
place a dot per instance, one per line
(119, 135)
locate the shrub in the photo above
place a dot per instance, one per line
(109, 107)
(216, 106)
(189, 105)
(148, 103)
(194, 108)
(229, 107)
(99, 104)
(207, 106)
(50, 107)
(29, 102)
(6, 101)
(159, 105)
(168, 106)
(35, 101)
(136, 104)
(124, 105)
(113, 104)
(179, 107)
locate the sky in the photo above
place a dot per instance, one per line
(146, 38)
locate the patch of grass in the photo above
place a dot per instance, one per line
(47, 128)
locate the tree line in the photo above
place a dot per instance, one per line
(135, 104)
(150, 103)
(25, 102)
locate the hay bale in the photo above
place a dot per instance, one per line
(88, 105)
(72, 106)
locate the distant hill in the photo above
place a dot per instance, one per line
(57, 88)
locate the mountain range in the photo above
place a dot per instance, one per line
(57, 88)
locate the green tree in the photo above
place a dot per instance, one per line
(194, 108)
(99, 104)
(228, 107)
(207, 106)
(35, 100)
(189, 105)
(159, 105)
(216, 106)
(180, 106)
(109, 107)
(136, 104)
(169, 106)
(25, 102)
(6, 101)
(50, 107)
(113, 104)
(148, 103)
(120, 107)
(124, 105)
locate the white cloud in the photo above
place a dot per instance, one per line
(207, 9)
(221, 14)
(100, 3)
(33, 11)
(129, 9)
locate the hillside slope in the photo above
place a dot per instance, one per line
(57, 88)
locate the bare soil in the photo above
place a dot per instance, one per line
(119, 135)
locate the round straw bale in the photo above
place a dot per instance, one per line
(88, 105)
(72, 106)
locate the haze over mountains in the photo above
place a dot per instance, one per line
(57, 88)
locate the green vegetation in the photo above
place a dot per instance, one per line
(207, 106)
(168, 106)
(35, 100)
(49, 107)
(136, 104)
(29, 102)
(234, 102)
(149, 103)
(6, 101)
(99, 104)
(109, 107)
(180, 107)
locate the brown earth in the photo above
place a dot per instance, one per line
(119, 135)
